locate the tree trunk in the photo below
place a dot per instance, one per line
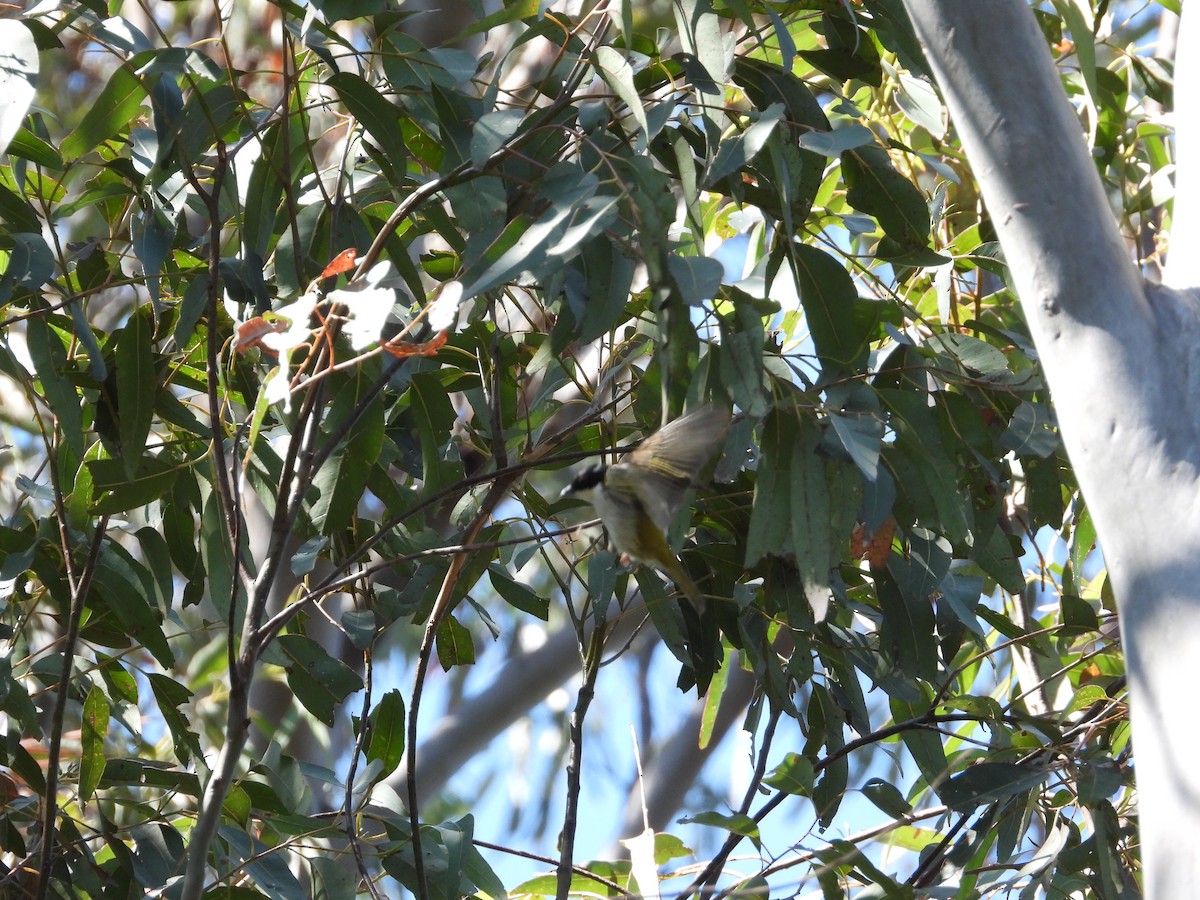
(1121, 362)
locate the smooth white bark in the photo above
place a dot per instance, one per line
(1181, 271)
(1124, 371)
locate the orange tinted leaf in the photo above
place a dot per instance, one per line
(343, 262)
(875, 547)
(8, 789)
(403, 349)
(251, 332)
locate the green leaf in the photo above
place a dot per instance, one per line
(137, 387)
(698, 277)
(850, 52)
(608, 272)
(518, 595)
(340, 10)
(875, 187)
(827, 726)
(120, 682)
(343, 478)
(918, 437)
(861, 435)
(920, 102)
(377, 115)
(87, 337)
(741, 353)
(979, 357)
(886, 797)
(617, 72)
(304, 560)
(386, 737)
(908, 628)
(999, 555)
(126, 588)
(961, 594)
(319, 681)
(925, 563)
(117, 492)
(879, 885)
(700, 34)
(771, 511)
(361, 627)
(50, 362)
(108, 115)
(91, 750)
(331, 880)
(1086, 696)
(838, 141)
(736, 151)
(169, 694)
(434, 417)
(269, 871)
(28, 145)
(1099, 779)
(576, 213)
(454, 644)
(793, 776)
(30, 265)
(830, 301)
(509, 13)
(124, 772)
(990, 781)
(217, 557)
(735, 824)
(156, 557)
(924, 743)
(492, 131)
(20, 216)
(153, 233)
(1031, 431)
(766, 83)
(811, 512)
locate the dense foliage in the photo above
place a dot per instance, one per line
(303, 321)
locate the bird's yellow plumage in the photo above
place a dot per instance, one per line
(637, 498)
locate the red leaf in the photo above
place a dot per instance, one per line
(402, 349)
(251, 332)
(343, 262)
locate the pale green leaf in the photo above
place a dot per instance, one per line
(91, 749)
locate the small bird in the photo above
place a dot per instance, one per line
(638, 497)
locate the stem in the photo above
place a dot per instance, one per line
(287, 501)
(442, 607)
(348, 802)
(75, 615)
(237, 727)
(591, 669)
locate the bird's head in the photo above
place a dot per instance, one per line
(587, 480)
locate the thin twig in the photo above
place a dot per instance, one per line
(442, 607)
(348, 805)
(75, 616)
(587, 691)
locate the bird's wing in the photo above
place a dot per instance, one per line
(680, 448)
(665, 466)
(660, 496)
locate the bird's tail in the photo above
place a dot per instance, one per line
(684, 582)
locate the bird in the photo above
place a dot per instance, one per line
(638, 497)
